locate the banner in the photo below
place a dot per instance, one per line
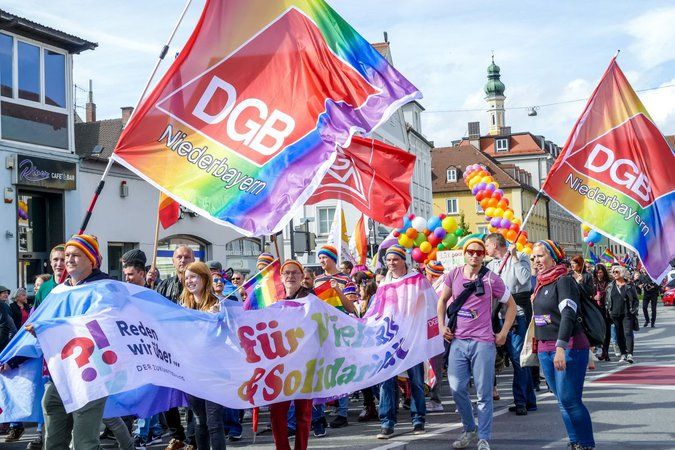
(615, 173)
(372, 176)
(337, 235)
(291, 349)
(244, 124)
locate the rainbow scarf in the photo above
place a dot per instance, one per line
(244, 124)
(264, 288)
(608, 256)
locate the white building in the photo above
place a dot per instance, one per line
(402, 130)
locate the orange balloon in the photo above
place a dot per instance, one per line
(503, 203)
(493, 202)
(503, 232)
(411, 233)
(522, 239)
(484, 203)
(511, 235)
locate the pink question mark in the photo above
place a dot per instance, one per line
(86, 347)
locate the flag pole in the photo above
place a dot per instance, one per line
(522, 227)
(155, 241)
(101, 183)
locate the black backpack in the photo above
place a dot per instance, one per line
(591, 318)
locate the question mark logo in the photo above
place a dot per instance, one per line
(87, 347)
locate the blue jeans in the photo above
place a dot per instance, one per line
(144, 427)
(523, 391)
(478, 358)
(389, 398)
(568, 385)
(232, 422)
(343, 406)
(318, 415)
(209, 429)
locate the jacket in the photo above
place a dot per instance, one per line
(16, 314)
(630, 297)
(171, 288)
(7, 327)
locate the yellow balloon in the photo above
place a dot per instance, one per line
(498, 213)
(527, 250)
(585, 227)
(519, 246)
(425, 247)
(508, 214)
(486, 180)
(490, 211)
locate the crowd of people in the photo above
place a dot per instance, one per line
(484, 311)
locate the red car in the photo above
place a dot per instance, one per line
(669, 298)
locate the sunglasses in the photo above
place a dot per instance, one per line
(236, 278)
(475, 252)
(217, 280)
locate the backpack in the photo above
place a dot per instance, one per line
(591, 318)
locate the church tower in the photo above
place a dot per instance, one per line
(494, 95)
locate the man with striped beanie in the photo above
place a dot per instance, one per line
(83, 260)
(264, 260)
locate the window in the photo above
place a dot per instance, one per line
(29, 71)
(55, 78)
(243, 247)
(451, 206)
(502, 145)
(483, 229)
(6, 65)
(479, 209)
(451, 175)
(325, 219)
(115, 252)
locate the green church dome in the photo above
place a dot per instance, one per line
(494, 85)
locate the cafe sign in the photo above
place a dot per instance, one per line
(45, 173)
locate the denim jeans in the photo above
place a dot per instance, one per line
(523, 391)
(343, 406)
(568, 385)
(209, 429)
(469, 357)
(318, 415)
(148, 426)
(389, 398)
(232, 422)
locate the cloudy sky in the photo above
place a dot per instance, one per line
(549, 52)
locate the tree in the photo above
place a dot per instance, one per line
(463, 225)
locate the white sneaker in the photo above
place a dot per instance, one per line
(483, 445)
(623, 358)
(617, 352)
(629, 358)
(248, 415)
(434, 407)
(465, 439)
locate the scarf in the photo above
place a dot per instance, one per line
(549, 276)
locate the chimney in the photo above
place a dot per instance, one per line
(90, 107)
(126, 114)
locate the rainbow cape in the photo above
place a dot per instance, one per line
(614, 173)
(244, 124)
(265, 287)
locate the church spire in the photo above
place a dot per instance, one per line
(494, 95)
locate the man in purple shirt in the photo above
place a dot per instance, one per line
(473, 342)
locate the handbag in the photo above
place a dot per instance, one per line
(528, 355)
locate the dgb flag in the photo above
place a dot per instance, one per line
(615, 172)
(245, 123)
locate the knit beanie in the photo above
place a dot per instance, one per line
(265, 258)
(554, 249)
(89, 246)
(434, 267)
(329, 251)
(396, 250)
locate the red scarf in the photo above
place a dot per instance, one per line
(549, 276)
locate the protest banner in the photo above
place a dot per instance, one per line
(292, 349)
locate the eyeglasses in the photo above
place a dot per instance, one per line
(616, 271)
(236, 278)
(291, 274)
(217, 280)
(475, 252)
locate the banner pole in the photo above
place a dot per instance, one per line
(101, 183)
(155, 241)
(522, 227)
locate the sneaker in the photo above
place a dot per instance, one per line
(483, 445)
(617, 352)
(319, 430)
(622, 359)
(527, 408)
(140, 443)
(36, 444)
(419, 429)
(154, 439)
(653, 325)
(465, 439)
(175, 444)
(645, 325)
(236, 437)
(520, 410)
(107, 434)
(368, 413)
(629, 358)
(339, 422)
(14, 434)
(385, 433)
(433, 406)
(248, 415)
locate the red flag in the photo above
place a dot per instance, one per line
(169, 210)
(372, 176)
(358, 244)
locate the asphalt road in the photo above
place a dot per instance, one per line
(632, 414)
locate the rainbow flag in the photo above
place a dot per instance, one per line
(328, 294)
(265, 287)
(614, 173)
(608, 256)
(168, 210)
(244, 124)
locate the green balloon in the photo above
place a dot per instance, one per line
(441, 247)
(450, 240)
(459, 232)
(419, 239)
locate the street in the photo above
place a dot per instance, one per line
(631, 405)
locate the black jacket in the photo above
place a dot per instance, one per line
(7, 327)
(630, 297)
(555, 311)
(16, 314)
(170, 288)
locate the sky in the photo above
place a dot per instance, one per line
(548, 52)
